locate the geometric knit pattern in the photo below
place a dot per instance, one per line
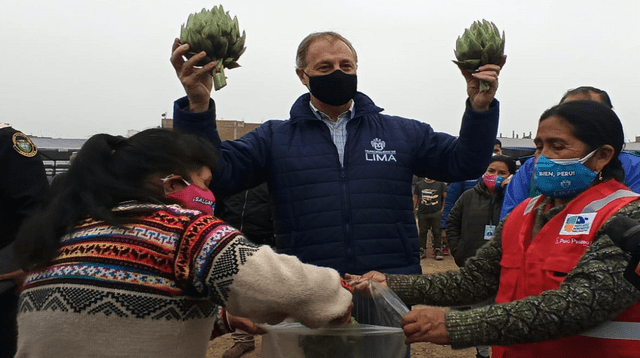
(93, 300)
(166, 263)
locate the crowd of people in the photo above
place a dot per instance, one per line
(152, 245)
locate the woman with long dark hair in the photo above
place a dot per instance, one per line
(128, 260)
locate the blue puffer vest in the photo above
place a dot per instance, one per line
(356, 217)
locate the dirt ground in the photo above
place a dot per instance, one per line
(418, 350)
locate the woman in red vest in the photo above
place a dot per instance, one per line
(557, 275)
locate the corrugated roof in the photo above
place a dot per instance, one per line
(61, 144)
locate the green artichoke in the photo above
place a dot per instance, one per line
(480, 44)
(219, 36)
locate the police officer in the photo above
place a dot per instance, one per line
(23, 188)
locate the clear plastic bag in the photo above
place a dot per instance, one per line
(376, 335)
(379, 306)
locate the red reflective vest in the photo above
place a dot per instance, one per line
(530, 267)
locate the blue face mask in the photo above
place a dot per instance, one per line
(563, 178)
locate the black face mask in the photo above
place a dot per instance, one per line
(336, 88)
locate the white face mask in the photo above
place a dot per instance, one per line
(574, 160)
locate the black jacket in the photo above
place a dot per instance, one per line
(24, 182)
(250, 212)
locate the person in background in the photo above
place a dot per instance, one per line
(428, 198)
(472, 221)
(250, 212)
(339, 170)
(128, 260)
(24, 188)
(522, 184)
(414, 180)
(557, 274)
(455, 190)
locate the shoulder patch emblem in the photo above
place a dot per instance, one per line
(23, 145)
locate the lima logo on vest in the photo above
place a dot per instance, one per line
(379, 154)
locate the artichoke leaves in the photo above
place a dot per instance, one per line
(219, 36)
(480, 44)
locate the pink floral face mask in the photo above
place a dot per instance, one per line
(194, 197)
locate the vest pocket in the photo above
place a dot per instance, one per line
(555, 270)
(510, 266)
(511, 261)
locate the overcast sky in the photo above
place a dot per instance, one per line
(72, 69)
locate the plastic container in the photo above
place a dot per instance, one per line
(293, 340)
(378, 334)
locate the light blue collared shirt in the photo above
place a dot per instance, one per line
(337, 128)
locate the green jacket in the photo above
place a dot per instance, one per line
(473, 211)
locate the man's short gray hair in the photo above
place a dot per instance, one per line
(303, 48)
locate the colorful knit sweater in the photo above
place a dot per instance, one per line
(593, 292)
(154, 288)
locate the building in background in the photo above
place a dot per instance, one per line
(523, 148)
(227, 129)
(56, 151)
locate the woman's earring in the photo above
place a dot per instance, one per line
(600, 176)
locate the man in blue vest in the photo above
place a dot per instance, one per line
(339, 170)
